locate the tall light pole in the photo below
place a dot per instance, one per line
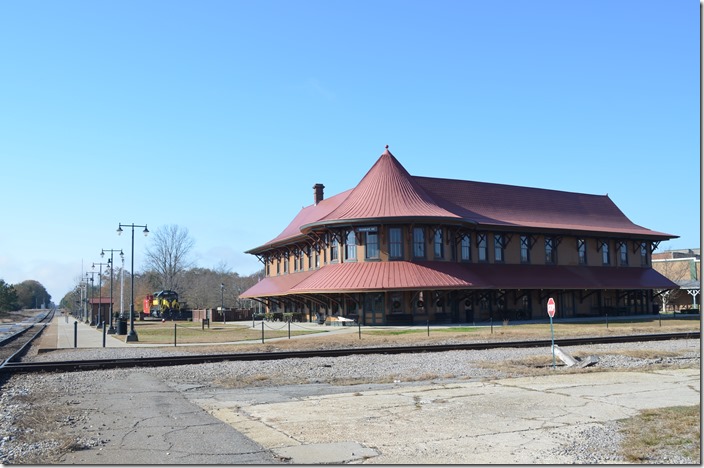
(132, 335)
(111, 330)
(222, 301)
(122, 287)
(91, 273)
(100, 292)
(84, 294)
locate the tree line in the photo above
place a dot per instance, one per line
(29, 294)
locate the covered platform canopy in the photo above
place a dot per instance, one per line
(404, 275)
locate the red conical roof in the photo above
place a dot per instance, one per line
(387, 191)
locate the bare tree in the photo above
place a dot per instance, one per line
(167, 254)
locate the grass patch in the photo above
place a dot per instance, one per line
(218, 336)
(188, 332)
(656, 435)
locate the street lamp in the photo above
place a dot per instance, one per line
(111, 330)
(100, 290)
(222, 301)
(91, 273)
(132, 335)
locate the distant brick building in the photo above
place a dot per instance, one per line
(682, 267)
(407, 249)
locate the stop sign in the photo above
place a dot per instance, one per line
(551, 307)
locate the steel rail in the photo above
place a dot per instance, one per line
(37, 320)
(69, 366)
(43, 321)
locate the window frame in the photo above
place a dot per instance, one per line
(466, 245)
(499, 246)
(395, 244)
(582, 251)
(351, 249)
(419, 243)
(438, 247)
(551, 255)
(482, 248)
(525, 249)
(374, 253)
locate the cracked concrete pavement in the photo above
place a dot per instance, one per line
(143, 421)
(508, 421)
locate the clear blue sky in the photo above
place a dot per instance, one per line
(219, 116)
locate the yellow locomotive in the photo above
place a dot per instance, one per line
(162, 304)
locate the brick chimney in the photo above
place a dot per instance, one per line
(318, 193)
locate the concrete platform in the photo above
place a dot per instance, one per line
(62, 334)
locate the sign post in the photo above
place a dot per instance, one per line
(551, 313)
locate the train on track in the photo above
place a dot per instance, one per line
(165, 305)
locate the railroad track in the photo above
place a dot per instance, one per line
(13, 347)
(71, 366)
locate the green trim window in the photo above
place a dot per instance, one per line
(582, 251)
(371, 250)
(623, 253)
(499, 248)
(525, 249)
(418, 242)
(466, 248)
(482, 248)
(351, 246)
(395, 243)
(605, 254)
(334, 248)
(438, 245)
(550, 251)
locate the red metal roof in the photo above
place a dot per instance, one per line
(276, 285)
(389, 191)
(401, 275)
(98, 300)
(510, 205)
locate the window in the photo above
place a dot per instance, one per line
(643, 254)
(351, 246)
(371, 245)
(300, 261)
(278, 268)
(310, 257)
(395, 243)
(465, 248)
(419, 242)
(582, 251)
(482, 247)
(285, 262)
(550, 251)
(498, 248)
(296, 257)
(525, 249)
(334, 249)
(605, 255)
(623, 253)
(438, 245)
(317, 258)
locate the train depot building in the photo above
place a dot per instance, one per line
(403, 249)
